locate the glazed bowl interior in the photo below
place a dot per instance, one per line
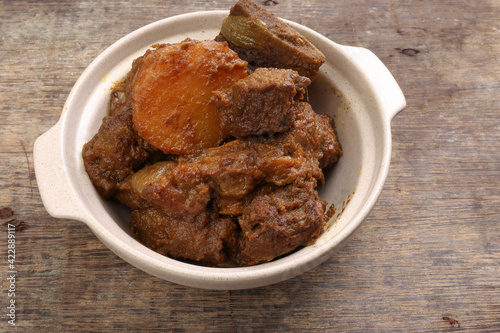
(352, 185)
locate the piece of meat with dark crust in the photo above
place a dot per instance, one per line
(277, 223)
(273, 43)
(315, 134)
(261, 103)
(158, 185)
(205, 237)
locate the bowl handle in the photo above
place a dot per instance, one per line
(385, 86)
(57, 195)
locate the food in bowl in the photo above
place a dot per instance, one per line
(219, 162)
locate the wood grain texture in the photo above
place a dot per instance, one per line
(429, 249)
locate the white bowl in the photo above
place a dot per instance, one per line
(353, 86)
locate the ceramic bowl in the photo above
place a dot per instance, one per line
(353, 86)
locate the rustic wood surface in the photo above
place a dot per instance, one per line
(429, 249)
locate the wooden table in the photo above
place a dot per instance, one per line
(429, 250)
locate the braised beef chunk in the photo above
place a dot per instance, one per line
(261, 103)
(279, 222)
(315, 134)
(263, 40)
(204, 237)
(159, 185)
(116, 151)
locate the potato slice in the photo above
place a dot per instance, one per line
(174, 108)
